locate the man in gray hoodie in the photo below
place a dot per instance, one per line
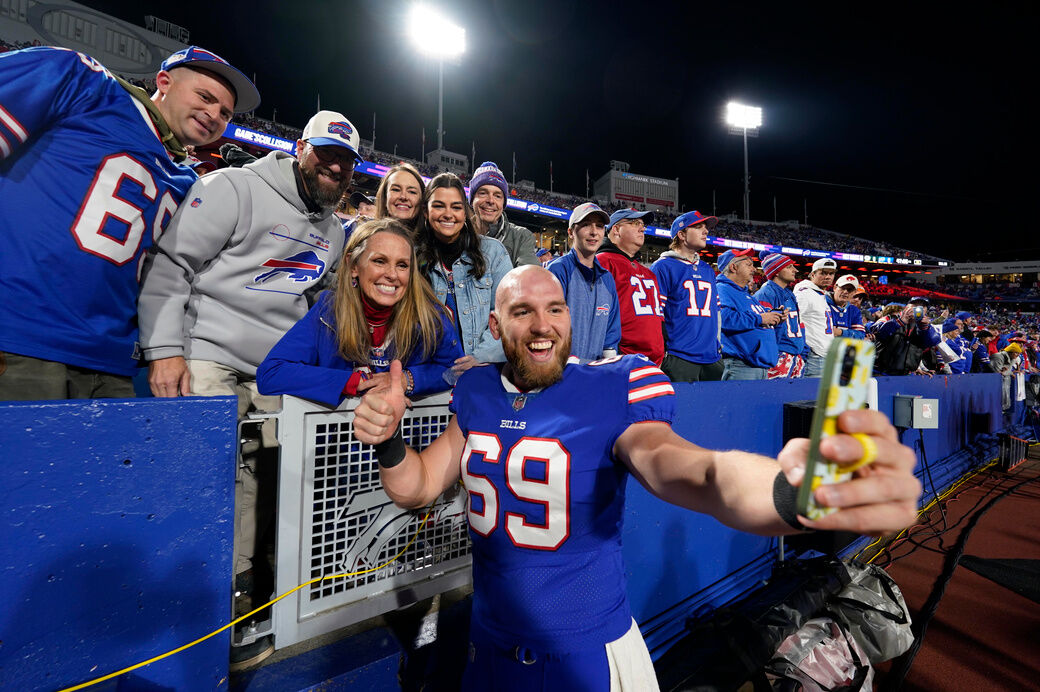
(228, 278)
(488, 193)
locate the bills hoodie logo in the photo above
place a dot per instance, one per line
(299, 268)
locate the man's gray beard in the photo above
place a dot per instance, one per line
(543, 378)
(323, 196)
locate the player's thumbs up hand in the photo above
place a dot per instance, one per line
(377, 416)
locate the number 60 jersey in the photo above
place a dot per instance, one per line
(546, 498)
(85, 186)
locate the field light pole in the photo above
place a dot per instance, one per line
(436, 36)
(743, 118)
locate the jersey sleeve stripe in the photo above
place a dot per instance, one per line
(640, 373)
(13, 125)
(573, 360)
(649, 392)
(5, 148)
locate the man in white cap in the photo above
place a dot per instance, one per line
(587, 287)
(91, 168)
(848, 320)
(229, 278)
(816, 314)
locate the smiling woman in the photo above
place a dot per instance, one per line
(463, 267)
(381, 310)
(400, 195)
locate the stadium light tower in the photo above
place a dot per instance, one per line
(436, 36)
(741, 119)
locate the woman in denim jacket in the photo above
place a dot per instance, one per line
(463, 267)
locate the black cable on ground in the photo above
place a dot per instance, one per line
(902, 665)
(928, 472)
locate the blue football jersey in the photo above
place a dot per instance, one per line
(546, 498)
(691, 308)
(85, 186)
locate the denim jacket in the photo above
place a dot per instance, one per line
(475, 298)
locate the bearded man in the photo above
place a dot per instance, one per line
(544, 445)
(229, 277)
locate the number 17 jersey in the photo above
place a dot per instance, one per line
(546, 498)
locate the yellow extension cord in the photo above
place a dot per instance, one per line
(234, 622)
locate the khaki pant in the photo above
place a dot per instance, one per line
(255, 479)
(24, 378)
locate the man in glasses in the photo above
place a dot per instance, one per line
(228, 279)
(640, 302)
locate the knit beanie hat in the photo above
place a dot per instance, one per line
(487, 174)
(773, 262)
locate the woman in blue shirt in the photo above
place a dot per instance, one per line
(380, 310)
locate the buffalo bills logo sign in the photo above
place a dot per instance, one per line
(302, 267)
(341, 128)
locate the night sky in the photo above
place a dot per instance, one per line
(899, 123)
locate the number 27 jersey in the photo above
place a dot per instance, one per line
(546, 498)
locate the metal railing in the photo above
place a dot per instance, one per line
(334, 518)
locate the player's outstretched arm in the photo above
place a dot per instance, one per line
(414, 480)
(737, 487)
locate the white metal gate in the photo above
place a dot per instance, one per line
(334, 518)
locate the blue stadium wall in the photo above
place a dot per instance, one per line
(117, 529)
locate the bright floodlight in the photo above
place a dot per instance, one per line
(434, 35)
(744, 117)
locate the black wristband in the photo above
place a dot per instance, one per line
(785, 499)
(391, 452)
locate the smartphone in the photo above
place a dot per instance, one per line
(843, 386)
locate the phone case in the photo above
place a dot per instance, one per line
(843, 386)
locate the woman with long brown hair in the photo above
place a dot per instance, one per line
(463, 266)
(380, 310)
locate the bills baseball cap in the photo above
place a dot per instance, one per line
(332, 129)
(850, 279)
(824, 263)
(620, 214)
(582, 211)
(727, 257)
(247, 98)
(692, 218)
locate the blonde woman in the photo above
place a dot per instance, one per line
(380, 310)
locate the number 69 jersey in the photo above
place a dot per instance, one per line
(546, 498)
(85, 185)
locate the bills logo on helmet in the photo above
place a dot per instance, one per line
(299, 268)
(341, 128)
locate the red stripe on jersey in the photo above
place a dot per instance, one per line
(13, 125)
(640, 373)
(649, 392)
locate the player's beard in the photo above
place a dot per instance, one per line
(327, 195)
(536, 375)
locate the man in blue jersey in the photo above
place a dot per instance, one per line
(693, 351)
(589, 288)
(776, 294)
(847, 318)
(748, 342)
(91, 170)
(544, 446)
